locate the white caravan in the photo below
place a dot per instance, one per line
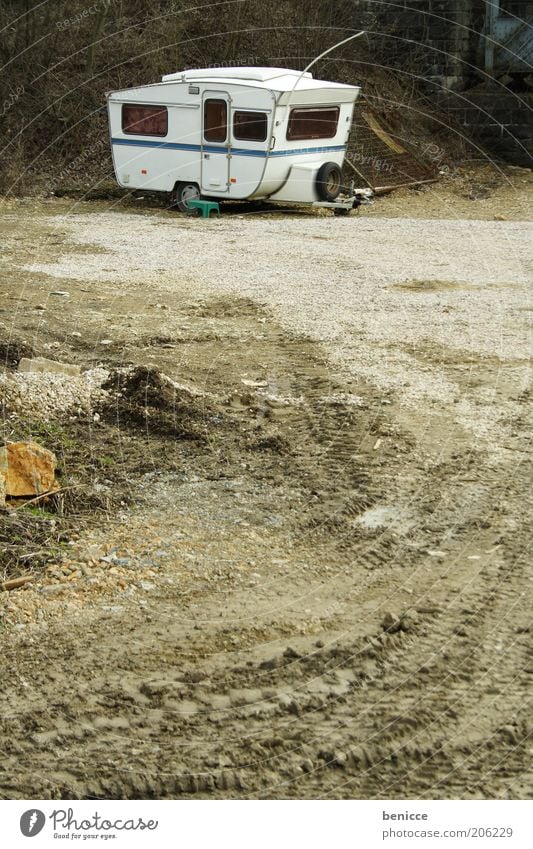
(234, 134)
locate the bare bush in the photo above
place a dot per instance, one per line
(60, 58)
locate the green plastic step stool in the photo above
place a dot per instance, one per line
(204, 207)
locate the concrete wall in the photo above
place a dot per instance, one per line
(441, 43)
(438, 40)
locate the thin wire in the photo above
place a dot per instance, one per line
(325, 53)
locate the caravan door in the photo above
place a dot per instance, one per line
(216, 143)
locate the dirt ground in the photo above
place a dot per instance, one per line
(300, 570)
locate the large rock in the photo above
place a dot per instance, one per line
(27, 469)
(40, 365)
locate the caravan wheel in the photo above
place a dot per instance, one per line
(183, 193)
(329, 181)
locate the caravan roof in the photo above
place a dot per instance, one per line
(274, 79)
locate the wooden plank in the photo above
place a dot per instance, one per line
(15, 583)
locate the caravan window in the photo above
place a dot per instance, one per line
(250, 126)
(313, 123)
(215, 120)
(144, 120)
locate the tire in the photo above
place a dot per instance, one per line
(329, 181)
(182, 194)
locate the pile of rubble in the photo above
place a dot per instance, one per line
(47, 390)
(43, 389)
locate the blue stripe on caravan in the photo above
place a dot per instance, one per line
(162, 145)
(235, 151)
(303, 150)
(241, 151)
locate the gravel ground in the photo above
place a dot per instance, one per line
(384, 295)
(318, 585)
(47, 396)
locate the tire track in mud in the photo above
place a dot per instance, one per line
(428, 698)
(387, 716)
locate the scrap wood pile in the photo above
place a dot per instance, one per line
(382, 157)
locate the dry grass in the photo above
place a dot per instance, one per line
(29, 539)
